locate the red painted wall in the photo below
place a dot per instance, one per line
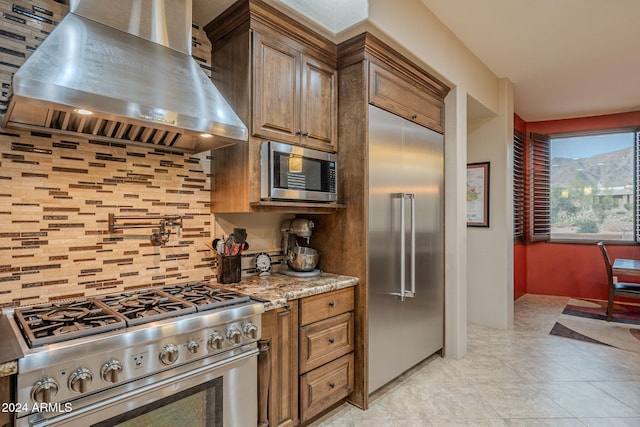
(575, 270)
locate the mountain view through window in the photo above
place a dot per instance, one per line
(592, 187)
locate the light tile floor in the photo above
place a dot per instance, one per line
(522, 377)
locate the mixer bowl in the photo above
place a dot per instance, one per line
(302, 258)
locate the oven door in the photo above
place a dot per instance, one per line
(220, 395)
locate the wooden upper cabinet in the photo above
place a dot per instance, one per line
(280, 77)
(393, 93)
(319, 105)
(276, 88)
(295, 95)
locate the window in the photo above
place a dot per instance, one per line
(591, 188)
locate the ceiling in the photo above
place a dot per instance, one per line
(331, 15)
(568, 58)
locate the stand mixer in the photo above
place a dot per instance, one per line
(300, 260)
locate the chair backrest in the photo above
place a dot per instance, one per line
(607, 262)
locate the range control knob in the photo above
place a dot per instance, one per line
(193, 346)
(111, 371)
(234, 335)
(80, 379)
(215, 341)
(251, 331)
(169, 354)
(44, 390)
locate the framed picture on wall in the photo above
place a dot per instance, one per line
(478, 194)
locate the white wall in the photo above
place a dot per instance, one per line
(455, 176)
(490, 250)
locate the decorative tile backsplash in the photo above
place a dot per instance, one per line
(56, 194)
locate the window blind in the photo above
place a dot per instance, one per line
(539, 203)
(519, 211)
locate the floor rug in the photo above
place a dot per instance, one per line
(585, 320)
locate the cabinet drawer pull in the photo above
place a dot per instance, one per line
(331, 303)
(332, 385)
(331, 340)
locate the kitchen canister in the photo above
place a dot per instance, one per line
(229, 268)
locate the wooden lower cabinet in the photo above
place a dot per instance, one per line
(6, 418)
(307, 362)
(280, 328)
(324, 386)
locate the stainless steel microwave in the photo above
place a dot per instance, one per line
(289, 172)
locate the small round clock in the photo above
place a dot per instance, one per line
(263, 263)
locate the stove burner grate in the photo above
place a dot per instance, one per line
(146, 306)
(50, 323)
(206, 297)
(55, 322)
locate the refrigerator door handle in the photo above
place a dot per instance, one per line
(412, 292)
(404, 293)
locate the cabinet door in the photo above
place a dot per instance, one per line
(319, 103)
(6, 418)
(281, 326)
(276, 88)
(323, 387)
(410, 101)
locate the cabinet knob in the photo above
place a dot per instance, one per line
(331, 340)
(331, 303)
(298, 132)
(415, 116)
(287, 306)
(332, 385)
(305, 133)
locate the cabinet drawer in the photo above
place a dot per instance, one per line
(323, 306)
(324, 386)
(324, 341)
(411, 101)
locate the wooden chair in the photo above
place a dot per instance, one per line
(619, 289)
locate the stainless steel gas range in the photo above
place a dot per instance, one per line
(179, 355)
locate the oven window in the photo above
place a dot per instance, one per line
(199, 406)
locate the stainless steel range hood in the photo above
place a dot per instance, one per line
(129, 63)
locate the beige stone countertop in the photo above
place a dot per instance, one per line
(276, 289)
(8, 368)
(10, 350)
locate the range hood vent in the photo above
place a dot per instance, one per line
(129, 64)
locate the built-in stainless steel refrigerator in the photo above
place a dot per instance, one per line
(406, 245)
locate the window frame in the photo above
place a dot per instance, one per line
(539, 187)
